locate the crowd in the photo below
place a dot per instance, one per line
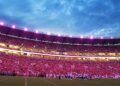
(55, 46)
(19, 65)
(52, 48)
(51, 68)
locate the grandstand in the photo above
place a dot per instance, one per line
(29, 54)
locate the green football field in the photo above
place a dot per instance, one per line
(20, 81)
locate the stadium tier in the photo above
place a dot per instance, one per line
(37, 44)
(23, 66)
(25, 53)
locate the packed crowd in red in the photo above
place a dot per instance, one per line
(24, 66)
(37, 45)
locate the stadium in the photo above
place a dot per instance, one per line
(31, 59)
(60, 43)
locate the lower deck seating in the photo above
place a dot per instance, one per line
(24, 66)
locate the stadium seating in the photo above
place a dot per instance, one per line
(43, 47)
(63, 63)
(24, 66)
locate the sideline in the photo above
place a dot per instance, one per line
(3, 79)
(50, 82)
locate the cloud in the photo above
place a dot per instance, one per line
(104, 32)
(71, 17)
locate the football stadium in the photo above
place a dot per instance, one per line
(59, 43)
(32, 59)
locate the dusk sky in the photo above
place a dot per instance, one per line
(66, 17)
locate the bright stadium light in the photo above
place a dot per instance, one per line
(25, 29)
(36, 31)
(111, 37)
(2, 23)
(59, 34)
(48, 33)
(81, 37)
(101, 37)
(13, 26)
(71, 36)
(91, 37)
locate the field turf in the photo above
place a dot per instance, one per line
(20, 81)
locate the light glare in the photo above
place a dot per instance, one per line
(1, 23)
(25, 29)
(36, 31)
(91, 37)
(48, 33)
(13, 26)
